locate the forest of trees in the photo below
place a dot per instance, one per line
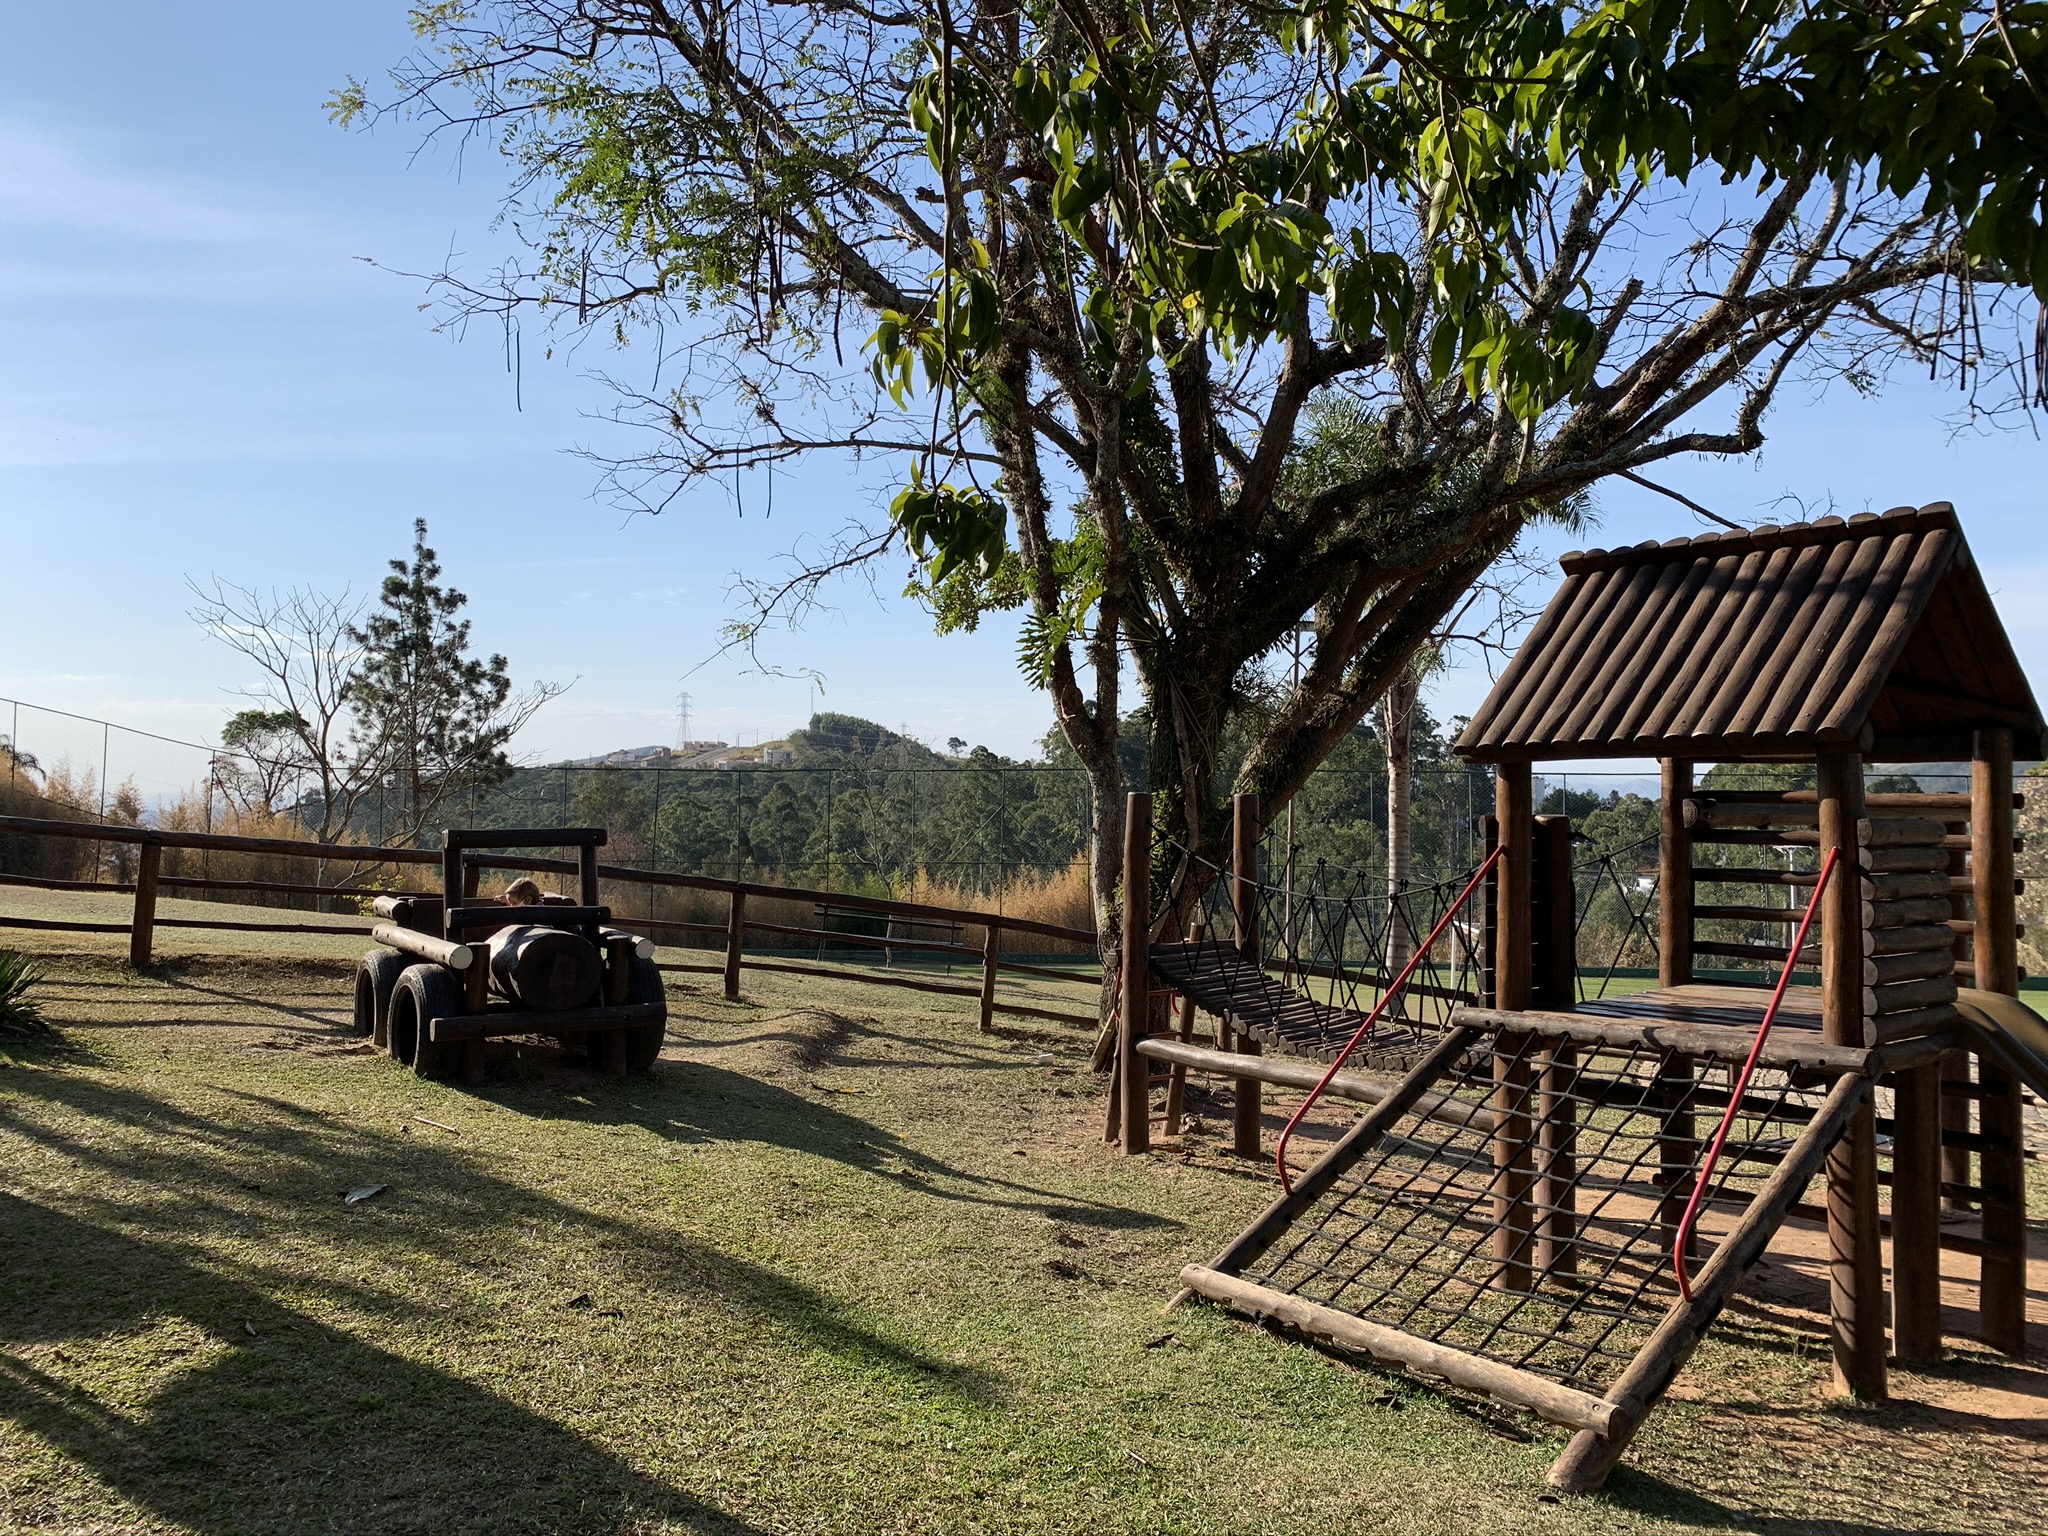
(863, 807)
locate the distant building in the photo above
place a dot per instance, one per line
(777, 757)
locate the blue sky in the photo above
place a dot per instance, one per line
(200, 375)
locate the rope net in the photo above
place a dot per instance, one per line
(1524, 1210)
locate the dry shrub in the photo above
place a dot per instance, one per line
(352, 864)
(1063, 899)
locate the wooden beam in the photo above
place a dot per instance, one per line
(526, 837)
(424, 946)
(499, 1023)
(1523, 1389)
(1447, 1109)
(1789, 1048)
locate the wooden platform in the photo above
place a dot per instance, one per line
(1733, 1007)
(1736, 1007)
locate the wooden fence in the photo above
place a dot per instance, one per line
(732, 934)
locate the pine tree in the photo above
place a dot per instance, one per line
(443, 715)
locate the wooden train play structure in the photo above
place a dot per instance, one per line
(458, 969)
(1548, 1199)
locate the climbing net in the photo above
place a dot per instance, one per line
(1525, 1209)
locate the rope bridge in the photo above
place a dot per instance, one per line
(1333, 946)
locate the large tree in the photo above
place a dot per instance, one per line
(1081, 270)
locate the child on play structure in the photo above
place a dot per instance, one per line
(522, 893)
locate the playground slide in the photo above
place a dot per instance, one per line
(2011, 1031)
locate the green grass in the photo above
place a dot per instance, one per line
(840, 1265)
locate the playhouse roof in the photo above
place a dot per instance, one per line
(1874, 633)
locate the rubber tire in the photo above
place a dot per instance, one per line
(425, 993)
(376, 979)
(643, 1041)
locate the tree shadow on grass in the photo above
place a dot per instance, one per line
(268, 1421)
(273, 1172)
(692, 1102)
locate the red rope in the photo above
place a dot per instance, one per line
(1688, 1221)
(1280, 1153)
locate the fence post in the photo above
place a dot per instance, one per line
(1135, 1008)
(735, 936)
(991, 945)
(142, 932)
(1248, 1095)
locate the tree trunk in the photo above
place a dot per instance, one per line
(1397, 719)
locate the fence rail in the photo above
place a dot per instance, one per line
(151, 842)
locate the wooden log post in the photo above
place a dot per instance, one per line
(1556, 987)
(1678, 1149)
(142, 931)
(1855, 1249)
(2002, 1289)
(620, 950)
(735, 939)
(476, 993)
(1674, 876)
(1513, 1072)
(1248, 1095)
(451, 884)
(1678, 1146)
(1956, 1169)
(1916, 1215)
(991, 958)
(1134, 1006)
(586, 875)
(1489, 913)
